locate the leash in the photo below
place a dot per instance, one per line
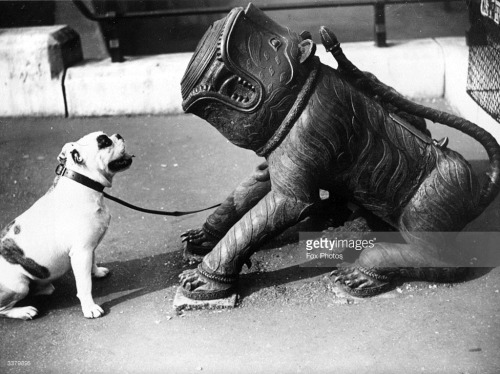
(82, 179)
(158, 212)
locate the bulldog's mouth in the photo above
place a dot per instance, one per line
(121, 163)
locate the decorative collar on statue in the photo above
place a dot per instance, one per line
(294, 113)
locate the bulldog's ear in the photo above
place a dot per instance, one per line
(75, 155)
(63, 156)
(69, 149)
(307, 49)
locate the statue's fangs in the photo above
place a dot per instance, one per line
(339, 130)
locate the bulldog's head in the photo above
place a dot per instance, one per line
(245, 75)
(97, 156)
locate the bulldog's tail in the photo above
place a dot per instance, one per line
(387, 94)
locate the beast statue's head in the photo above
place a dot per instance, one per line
(245, 75)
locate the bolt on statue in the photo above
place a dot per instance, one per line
(339, 130)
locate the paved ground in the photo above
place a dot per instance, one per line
(288, 319)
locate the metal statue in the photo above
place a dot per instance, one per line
(339, 130)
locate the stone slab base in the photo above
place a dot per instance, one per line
(181, 302)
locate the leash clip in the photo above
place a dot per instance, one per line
(60, 169)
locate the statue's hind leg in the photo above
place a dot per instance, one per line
(445, 202)
(199, 242)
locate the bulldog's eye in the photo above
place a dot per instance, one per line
(103, 141)
(275, 43)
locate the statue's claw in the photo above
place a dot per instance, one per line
(193, 235)
(353, 280)
(197, 243)
(197, 287)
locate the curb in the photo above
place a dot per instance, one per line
(152, 84)
(144, 85)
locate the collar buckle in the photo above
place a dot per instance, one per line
(60, 169)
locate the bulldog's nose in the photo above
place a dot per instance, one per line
(118, 136)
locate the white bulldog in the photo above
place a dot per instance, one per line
(63, 228)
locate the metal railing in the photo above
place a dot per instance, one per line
(113, 18)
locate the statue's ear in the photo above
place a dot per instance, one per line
(307, 49)
(305, 35)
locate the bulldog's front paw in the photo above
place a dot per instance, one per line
(92, 311)
(100, 272)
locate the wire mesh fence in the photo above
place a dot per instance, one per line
(483, 78)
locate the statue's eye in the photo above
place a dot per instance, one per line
(275, 43)
(103, 141)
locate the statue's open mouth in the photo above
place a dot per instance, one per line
(212, 75)
(234, 87)
(229, 88)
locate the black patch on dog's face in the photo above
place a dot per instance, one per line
(17, 229)
(15, 255)
(104, 141)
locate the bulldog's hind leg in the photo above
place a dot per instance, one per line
(199, 242)
(12, 293)
(445, 202)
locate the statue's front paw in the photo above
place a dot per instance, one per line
(191, 279)
(197, 287)
(195, 236)
(357, 282)
(197, 244)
